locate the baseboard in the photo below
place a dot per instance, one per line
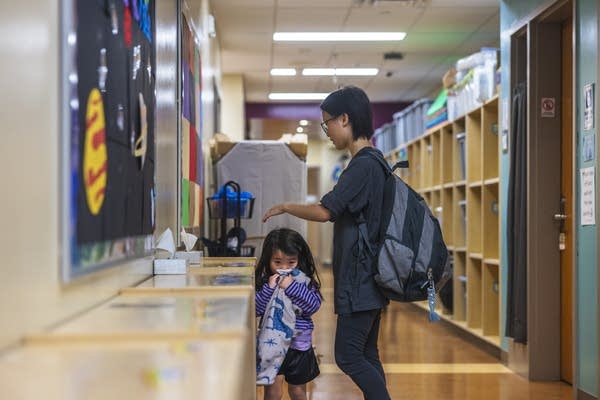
(581, 395)
(504, 357)
(469, 336)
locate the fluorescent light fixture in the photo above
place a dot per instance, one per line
(283, 71)
(340, 71)
(338, 36)
(297, 96)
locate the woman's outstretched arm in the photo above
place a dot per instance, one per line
(310, 212)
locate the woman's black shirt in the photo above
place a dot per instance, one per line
(359, 189)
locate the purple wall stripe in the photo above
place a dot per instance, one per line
(382, 111)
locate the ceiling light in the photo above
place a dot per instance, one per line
(283, 71)
(299, 129)
(338, 36)
(340, 71)
(303, 122)
(297, 96)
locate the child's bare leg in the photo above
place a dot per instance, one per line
(297, 392)
(275, 391)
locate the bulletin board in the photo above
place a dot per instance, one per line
(192, 168)
(108, 139)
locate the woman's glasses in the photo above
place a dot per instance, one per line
(324, 124)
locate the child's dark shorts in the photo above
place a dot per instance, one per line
(299, 367)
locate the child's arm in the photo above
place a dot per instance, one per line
(302, 296)
(261, 299)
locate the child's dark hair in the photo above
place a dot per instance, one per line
(353, 101)
(291, 243)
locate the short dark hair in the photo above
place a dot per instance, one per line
(353, 101)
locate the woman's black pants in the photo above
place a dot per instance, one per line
(356, 352)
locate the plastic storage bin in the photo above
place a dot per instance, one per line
(411, 122)
(400, 124)
(219, 207)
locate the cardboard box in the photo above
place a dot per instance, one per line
(219, 148)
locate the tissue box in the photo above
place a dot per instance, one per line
(193, 257)
(170, 266)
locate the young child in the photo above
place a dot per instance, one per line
(287, 294)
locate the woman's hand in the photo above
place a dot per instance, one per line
(275, 210)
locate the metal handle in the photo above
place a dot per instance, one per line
(560, 217)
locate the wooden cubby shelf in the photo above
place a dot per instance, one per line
(455, 167)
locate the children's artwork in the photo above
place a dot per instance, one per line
(588, 148)
(108, 147)
(588, 196)
(588, 107)
(192, 169)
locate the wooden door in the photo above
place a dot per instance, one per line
(566, 258)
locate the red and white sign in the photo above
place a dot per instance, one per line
(548, 107)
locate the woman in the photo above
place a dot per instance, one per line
(347, 121)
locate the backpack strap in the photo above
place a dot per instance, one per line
(400, 164)
(363, 233)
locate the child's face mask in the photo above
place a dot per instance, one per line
(280, 260)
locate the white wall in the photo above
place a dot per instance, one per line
(322, 153)
(31, 295)
(233, 117)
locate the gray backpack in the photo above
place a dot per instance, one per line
(411, 260)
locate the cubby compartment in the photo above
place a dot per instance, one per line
(473, 146)
(427, 197)
(401, 154)
(406, 173)
(446, 151)
(459, 280)
(490, 289)
(447, 213)
(460, 217)
(427, 163)
(416, 165)
(490, 218)
(489, 126)
(474, 223)
(459, 150)
(436, 173)
(474, 281)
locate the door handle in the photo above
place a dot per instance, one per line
(560, 217)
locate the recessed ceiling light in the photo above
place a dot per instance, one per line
(299, 129)
(297, 96)
(338, 36)
(283, 71)
(340, 71)
(303, 122)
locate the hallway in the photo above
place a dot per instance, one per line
(422, 362)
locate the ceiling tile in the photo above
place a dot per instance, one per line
(384, 18)
(438, 35)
